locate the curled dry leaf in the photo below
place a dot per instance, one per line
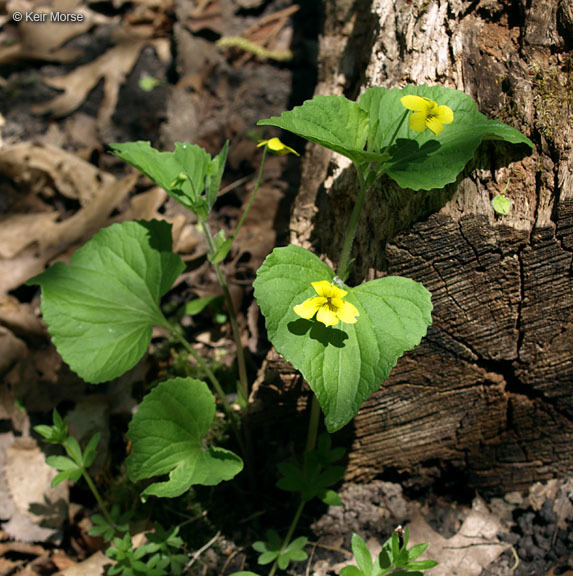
(27, 251)
(12, 350)
(93, 566)
(44, 41)
(72, 177)
(472, 549)
(113, 67)
(36, 511)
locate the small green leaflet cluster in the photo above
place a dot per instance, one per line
(373, 131)
(189, 174)
(394, 558)
(158, 557)
(312, 479)
(73, 466)
(318, 473)
(102, 528)
(271, 550)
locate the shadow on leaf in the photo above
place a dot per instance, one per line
(408, 152)
(318, 331)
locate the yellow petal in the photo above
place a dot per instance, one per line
(347, 312)
(326, 289)
(327, 316)
(434, 125)
(262, 143)
(417, 103)
(279, 148)
(418, 121)
(309, 307)
(444, 114)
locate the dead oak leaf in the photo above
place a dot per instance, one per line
(45, 41)
(113, 67)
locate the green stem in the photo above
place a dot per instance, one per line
(99, 499)
(252, 198)
(344, 262)
(313, 423)
(231, 415)
(243, 389)
(397, 129)
(288, 537)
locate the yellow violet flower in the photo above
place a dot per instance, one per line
(276, 146)
(427, 114)
(329, 306)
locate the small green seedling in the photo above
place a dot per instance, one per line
(394, 558)
(501, 203)
(273, 550)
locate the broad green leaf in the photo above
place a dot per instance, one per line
(343, 364)
(100, 310)
(422, 160)
(331, 121)
(167, 435)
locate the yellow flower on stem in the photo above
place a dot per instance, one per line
(276, 146)
(427, 114)
(329, 306)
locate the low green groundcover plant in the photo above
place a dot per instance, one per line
(101, 309)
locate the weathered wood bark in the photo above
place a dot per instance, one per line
(486, 400)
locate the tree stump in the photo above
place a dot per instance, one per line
(486, 400)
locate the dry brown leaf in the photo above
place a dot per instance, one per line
(81, 226)
(18, 231)
(73, 177)
(15, 272)
(472, 549)
(113, 67)
(43, 41)
(25, 493)
(145, 206)
(93, 566)
(20, 318)
(12, 350)
(98, 192)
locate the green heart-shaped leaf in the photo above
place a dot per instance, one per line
(167, 434)
(100, 309)
(343, 364)
(422, 160)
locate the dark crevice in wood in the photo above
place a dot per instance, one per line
(515, 387)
